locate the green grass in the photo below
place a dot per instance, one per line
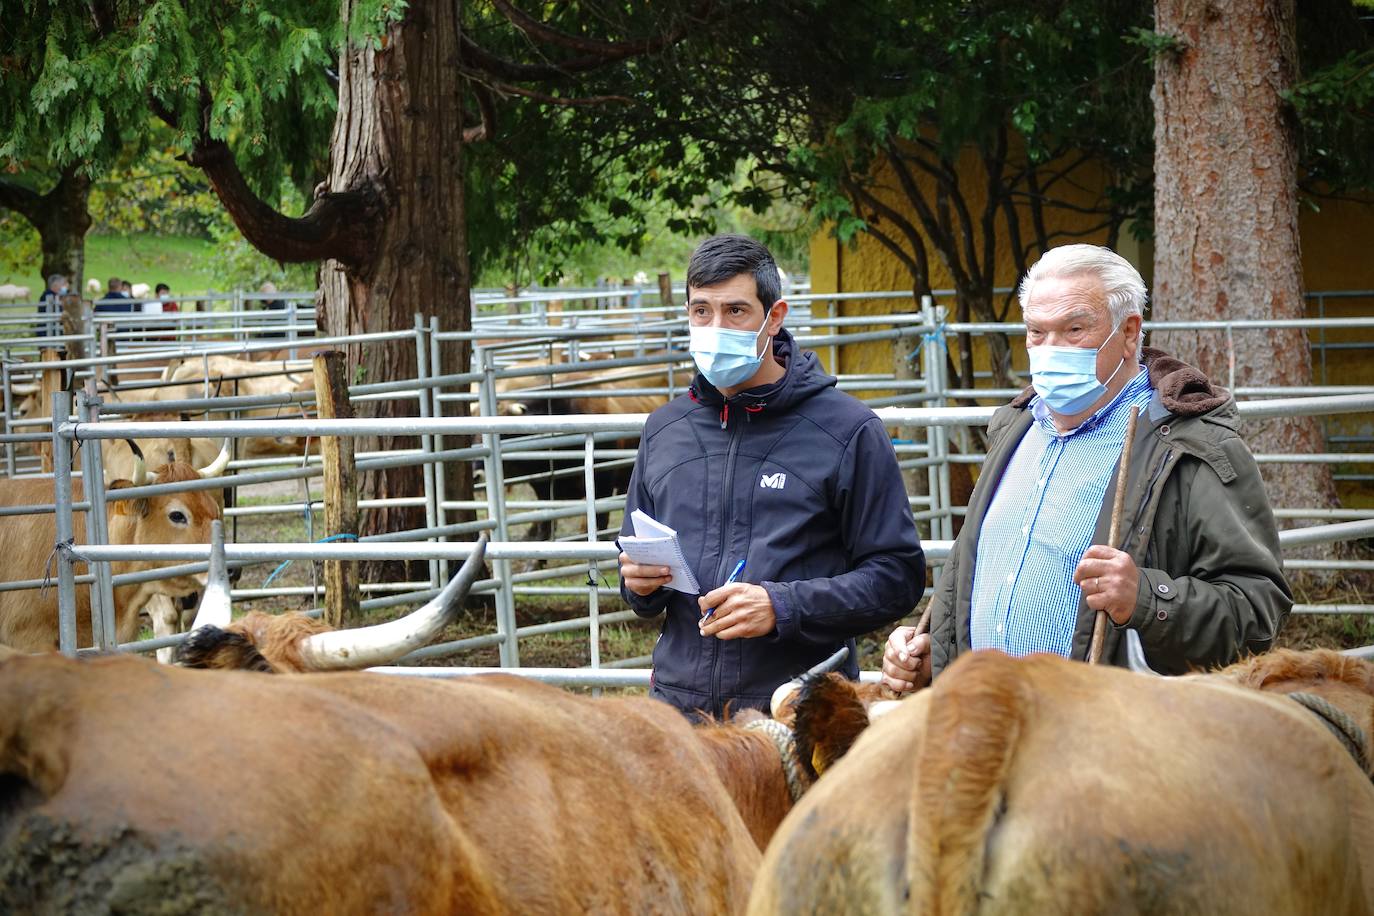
(182, 263)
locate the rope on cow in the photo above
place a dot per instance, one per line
(782, 739)
(1338, 722)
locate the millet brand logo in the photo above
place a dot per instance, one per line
(773, 481)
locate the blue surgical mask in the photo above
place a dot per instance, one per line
(1066, 377)
(728, 358)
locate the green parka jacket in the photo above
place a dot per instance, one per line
(1197, 523)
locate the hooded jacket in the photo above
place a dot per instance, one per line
(1197, 524)
(799, 480)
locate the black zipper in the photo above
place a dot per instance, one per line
(722, 560)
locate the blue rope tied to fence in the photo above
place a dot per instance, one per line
(935, 336)
(286, 563)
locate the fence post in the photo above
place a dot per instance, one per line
(62, 500)
(103, 632)
(942, 432)
(341, 601)
(291, 327)
(665, 292)
(426, 441)
(436, 369)
(904, 369)
(74, 325)
(9, 414)
(496, 511)
(930, 357)
(593, 573)
(51, 380)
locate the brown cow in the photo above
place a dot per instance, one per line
(1041, 785)
(230, 376)
(28, 619)
(356, 792)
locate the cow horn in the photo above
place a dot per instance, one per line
(140, 467)
(215, 607)
(785, 691)
(216, 467)
(24, 389)
(385, 642)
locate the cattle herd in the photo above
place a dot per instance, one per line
(261, 772)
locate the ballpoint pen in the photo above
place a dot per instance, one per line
(739, 568)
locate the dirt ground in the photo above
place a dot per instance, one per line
(636, 638)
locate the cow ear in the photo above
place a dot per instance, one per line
(137, 507)
(830, 717)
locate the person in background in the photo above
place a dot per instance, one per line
(164, 296)
(115, 299)
(268, 289)
(50, 304)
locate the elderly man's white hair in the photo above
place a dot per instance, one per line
(1126, 292)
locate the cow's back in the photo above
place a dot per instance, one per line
(356, 792)
(1043, 785)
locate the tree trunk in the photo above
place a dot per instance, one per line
(399, 135)
(61, 217)
(1226, 213)
(63, 227)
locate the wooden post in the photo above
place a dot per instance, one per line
(341, 603)
(50, 382)
(74, 323)
(665, 291)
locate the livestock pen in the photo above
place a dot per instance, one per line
(645, 339)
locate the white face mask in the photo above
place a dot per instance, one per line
(728, 357)
(1066, 377)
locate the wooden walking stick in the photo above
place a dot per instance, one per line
(1123, 473)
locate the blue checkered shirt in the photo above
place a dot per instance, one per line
(1039, 524)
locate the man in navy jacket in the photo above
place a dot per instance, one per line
(765, 461)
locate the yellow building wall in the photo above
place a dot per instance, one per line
(866, 264)
(1337, 242)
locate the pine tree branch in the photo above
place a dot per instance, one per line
(486, 108)
(338, 225)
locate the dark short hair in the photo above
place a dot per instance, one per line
(724, 257)
(162, 286)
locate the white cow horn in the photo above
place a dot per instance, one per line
(140, 468)
(215, 607)
(216, 467)
(383, 643)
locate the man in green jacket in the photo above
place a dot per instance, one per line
(1197, 573)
